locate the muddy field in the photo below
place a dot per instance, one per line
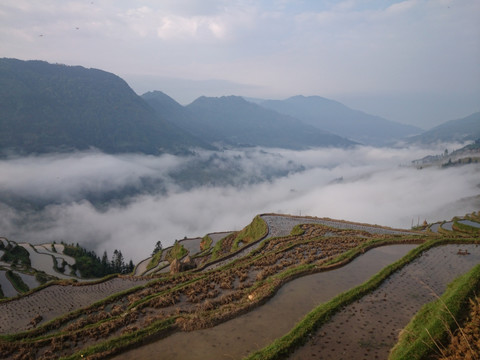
(238, 337)
(17, 315)
(369, 327)
(193, 300)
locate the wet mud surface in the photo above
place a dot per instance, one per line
(56, 300)
(369, 327)
(238, 337)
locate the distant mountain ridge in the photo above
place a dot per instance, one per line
(459, 130)
(233, 121)
(50, 107)
(339, 119)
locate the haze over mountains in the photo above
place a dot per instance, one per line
(337, 118)
(460, 130)
(50, 107)
(231, 120)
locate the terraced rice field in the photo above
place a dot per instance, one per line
(7, 287)
(281, 225)
(44, 262)
(56, 300)
(369, 328)
(238, 337)
(192, 300)
(243, 301)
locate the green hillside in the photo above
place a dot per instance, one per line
(50, 107)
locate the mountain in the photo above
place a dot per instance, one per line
(50, 107)
(233, 121)
(460, 130)
(339, 119)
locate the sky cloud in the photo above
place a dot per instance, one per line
(354, 51)
(364, 184)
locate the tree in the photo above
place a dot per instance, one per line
(118, 263)
(158, 247)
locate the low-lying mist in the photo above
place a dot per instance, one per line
(131, 201)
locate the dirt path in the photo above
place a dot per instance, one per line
(369, 327)
(57, 300)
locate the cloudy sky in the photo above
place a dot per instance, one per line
(414, 61)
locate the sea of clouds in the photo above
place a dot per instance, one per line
(58, 197)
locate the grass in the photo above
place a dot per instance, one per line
(17, 281)
(430, 327)
(471, 230)
(299, 334)
(155, 260)
(216, 250)
(177, 251)
(116, 345)
(256, 230)
(16, 254)
(265, 289)
(206, 243)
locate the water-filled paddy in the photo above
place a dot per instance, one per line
(43, 262)
(369, 327)
(244, 334)
(470, 223)
(7, 287)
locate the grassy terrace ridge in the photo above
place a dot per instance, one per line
(284, 345)
(17, 281)
(155, 260)
(256, 230)
(424, 335)
(458, 226)
(253, 232)
(64, 282)
(112, 325)
(263, 289)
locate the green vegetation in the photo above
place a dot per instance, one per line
(90, 265)
(252, 232)
(321, 314)
(216, 250)
(177, 251)
(458, 226)
(120, 321)
(155, 260)
(297, 230)
(432, 324)
(42, 277)
(206, 243)
(17, 281)
(16, 254)
(49, 107)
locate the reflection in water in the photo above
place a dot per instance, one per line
(238, 337)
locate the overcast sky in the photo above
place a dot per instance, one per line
(414, 61)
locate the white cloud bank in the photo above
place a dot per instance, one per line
(363, 184)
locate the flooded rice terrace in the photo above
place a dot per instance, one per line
(369, 327)
(238, 337)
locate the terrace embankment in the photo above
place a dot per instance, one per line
(282, 225)
(240, 336)
(194, 300)
(368, 328)
(55, 300)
